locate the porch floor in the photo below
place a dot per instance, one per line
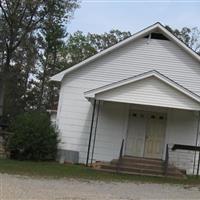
(139, 166)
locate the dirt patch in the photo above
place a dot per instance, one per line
(25, 188)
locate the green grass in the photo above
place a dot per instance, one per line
(56, 170)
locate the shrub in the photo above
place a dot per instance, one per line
(34, 138)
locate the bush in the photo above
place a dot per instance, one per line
(34, 138)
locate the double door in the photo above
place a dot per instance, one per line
(146, 134)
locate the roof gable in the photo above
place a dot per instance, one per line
(155, 74)
(155, 27)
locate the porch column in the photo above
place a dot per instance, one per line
(91, 128)
(197, 144)
(95, 130)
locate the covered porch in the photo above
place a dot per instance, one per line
(142, 116)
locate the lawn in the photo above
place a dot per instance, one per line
(56, 170)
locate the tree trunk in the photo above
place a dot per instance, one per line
(5, 77)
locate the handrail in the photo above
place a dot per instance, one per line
(166, 162)
(185, 147)
(120, 156)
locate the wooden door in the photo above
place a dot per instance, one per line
(136, 134)
(155, 135)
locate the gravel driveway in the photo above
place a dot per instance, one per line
(26, 188)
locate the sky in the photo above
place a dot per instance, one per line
(99, 16)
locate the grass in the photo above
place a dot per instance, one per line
(56, 170)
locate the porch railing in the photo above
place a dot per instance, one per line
(189, 148)
(120, 156)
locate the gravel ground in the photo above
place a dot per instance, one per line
(25, 188)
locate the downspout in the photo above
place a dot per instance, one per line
(90, 137)
(196, 143)
(95, 131)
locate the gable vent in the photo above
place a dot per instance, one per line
(157, 36)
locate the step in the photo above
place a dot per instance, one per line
(171, 171)
(142, 160)
(141, 174)
(140, 165)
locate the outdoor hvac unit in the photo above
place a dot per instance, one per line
(67, 156)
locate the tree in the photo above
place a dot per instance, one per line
(50, 45)
(80, 46)
(19, 18)
(191, 37)
(30, 34)
(105, 40)
(19, 80)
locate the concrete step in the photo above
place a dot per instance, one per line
(137, 162)
(143, 166)
(130, 159)
(142, 170)
(159, 166)
(140, 174)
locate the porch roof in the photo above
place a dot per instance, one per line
(149, 88)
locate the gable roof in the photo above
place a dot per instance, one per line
(155, 27)
(152, 73)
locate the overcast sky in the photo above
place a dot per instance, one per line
(98, 16)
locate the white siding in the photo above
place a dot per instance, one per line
(139, 57)
(182, 129)
(150, 91)
(111, 129)
(74, 111)
(74, 117)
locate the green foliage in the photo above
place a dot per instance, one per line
(80, 46)
(103, 41)
(31, 39)
(190, 36)
(51, 43)
(34, 138)
(56, 170)
(35, 45)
